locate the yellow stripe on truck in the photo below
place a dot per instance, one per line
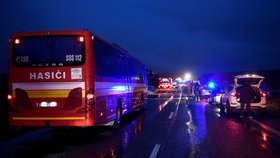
(49, 93)
(48, 118)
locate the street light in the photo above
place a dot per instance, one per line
(188, 76)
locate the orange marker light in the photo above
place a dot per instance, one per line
(9, 97)
(17, 41)
(81, 39)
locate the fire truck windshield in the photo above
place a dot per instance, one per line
(48, 51)
(164, 80)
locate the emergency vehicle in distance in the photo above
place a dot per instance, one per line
(165, 84)
(72, 78)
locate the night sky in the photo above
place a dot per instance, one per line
(198, 36)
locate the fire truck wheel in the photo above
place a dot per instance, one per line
(118, 115)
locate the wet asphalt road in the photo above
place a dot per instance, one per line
(169, 126)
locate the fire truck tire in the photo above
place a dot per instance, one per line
(118, 115)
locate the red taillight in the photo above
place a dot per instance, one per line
(90, 97)
(81, 39)
(17, 41)
(232, 94)
(263, 95)
(9, 97)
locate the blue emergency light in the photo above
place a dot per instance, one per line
(211, 85)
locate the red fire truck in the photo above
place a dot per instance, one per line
(72, 78)
(165, 84)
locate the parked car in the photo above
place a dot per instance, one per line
(230, 101)
(205, 92)
(152, 92)
(215, 96)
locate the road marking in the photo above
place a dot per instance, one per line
(161, 106)
(155, 151)
(266, 127)
(170, 116)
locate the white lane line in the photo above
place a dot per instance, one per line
(155, 151)
(266, 127)
(170, 116)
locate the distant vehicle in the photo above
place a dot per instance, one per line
(152, 92)
(175, 84)
(72, 78)
(205, 92)
(229, 100)
(215, 96)
(165, 84)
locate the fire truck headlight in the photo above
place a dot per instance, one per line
(43, 104)
(53, 104)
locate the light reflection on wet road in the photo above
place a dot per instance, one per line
(196, 130)
(177, 127)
